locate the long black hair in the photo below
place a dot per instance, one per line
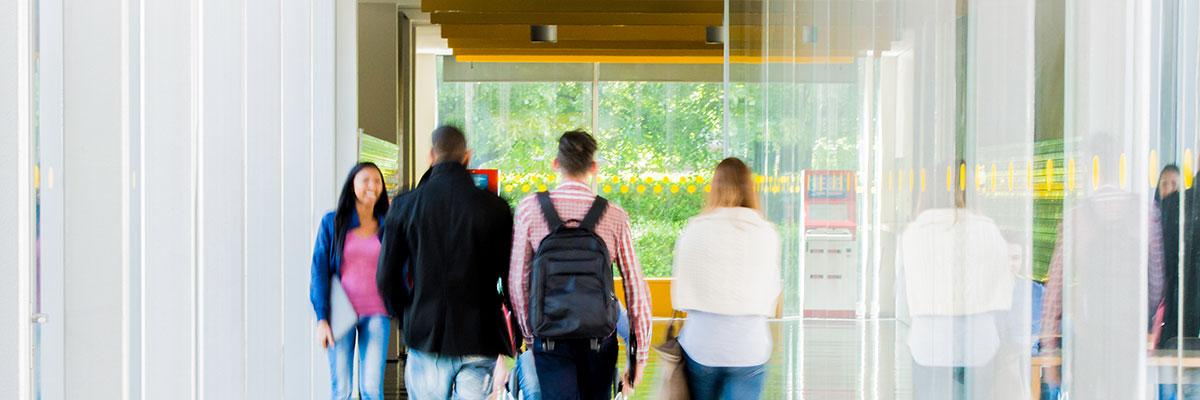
(1158, 184)
(347, 205)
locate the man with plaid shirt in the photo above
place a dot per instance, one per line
(570, 369)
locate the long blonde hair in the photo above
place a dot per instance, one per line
(732, 186)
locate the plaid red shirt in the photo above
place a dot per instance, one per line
(572, 200)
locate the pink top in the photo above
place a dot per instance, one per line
(360, 260)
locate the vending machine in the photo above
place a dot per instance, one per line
(487, 179)
(830, 277)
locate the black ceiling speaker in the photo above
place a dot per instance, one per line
(543, 33)
(714, 34)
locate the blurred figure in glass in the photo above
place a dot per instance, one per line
(1098, 255)
(956, 285)
(1179, 310)
(727, 280)
(1166, 206)
(347, 248)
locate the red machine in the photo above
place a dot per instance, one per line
(831, 287)
(486, 179)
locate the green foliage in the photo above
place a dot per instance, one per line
(657, 140)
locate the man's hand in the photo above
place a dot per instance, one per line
(627, 384)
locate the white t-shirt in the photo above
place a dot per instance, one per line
(716, 340)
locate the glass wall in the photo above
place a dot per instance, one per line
(967, 191)
(659, 137)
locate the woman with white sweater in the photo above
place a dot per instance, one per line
(727, 280)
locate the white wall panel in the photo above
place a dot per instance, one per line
(92, 181)
(222, 207)
(325, 159)
(9, 209)
(263, 220)
(296, 202)
(346, 75)
(205, 133)
(50, 242)
(169, 122)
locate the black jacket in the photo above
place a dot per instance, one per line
(1191, 263)
(456, 240)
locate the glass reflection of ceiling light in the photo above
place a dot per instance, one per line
(543, 33)
(808, 34)
(714, 34)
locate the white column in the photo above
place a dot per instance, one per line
(169, 120)
(346, 75)
(222, 171)
(297, 125)
(15, 206)
(199, 150)
(9, 211)
(263, 221)
(425, 109)
(50, 243)
(1107, 115)
(92, 181)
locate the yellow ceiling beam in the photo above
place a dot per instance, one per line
(651, 59)
(644, 6)
(564, 44)
(752, 53)
(587, 51)
(569, 18)
(661, 33)
(579, 36)
(602, 33)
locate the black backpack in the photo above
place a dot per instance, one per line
(571, 287)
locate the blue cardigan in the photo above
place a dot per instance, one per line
(326, 263)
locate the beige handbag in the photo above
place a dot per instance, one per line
(671, 369)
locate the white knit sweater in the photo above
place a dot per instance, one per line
(727, 262)
(955, 262)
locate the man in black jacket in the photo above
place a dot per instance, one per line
(456, 240)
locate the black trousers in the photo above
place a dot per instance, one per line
(573, 370)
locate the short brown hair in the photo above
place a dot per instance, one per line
(576, 152)
(732, 186)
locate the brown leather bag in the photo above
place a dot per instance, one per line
(671, 369)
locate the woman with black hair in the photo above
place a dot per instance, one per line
(1167, 205)
(347, 249)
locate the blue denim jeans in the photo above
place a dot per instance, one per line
(1188, 390)
(371, 337)
(430, 376)
(724, 383)
(1050, 391)
(939, 383)
(527, 379)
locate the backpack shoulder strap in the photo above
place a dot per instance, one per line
(552, 219)
(599, 206)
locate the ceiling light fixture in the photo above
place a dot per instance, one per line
(543, 33)
(808, 34)
(714, 34)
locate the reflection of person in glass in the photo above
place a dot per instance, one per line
(1166, 204)
(956, 286)
(1177, 320)
(1091, 303)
